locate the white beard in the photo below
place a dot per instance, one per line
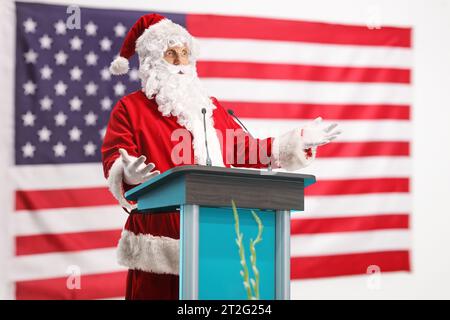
(183, 96)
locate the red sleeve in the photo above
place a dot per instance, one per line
(119, 134)
(246, 151)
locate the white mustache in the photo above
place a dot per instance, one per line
(174, 69)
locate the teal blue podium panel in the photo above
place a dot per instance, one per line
(219, 260)
(210, 259)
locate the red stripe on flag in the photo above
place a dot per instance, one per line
(271, 110)
(364, 149)
(347, 224)
(44, 243)
(348, 264)
(251, 70)
(357, 186)
(93, 286)
(63, 198)
(216, 26)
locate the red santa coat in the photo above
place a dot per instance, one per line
(149, 245)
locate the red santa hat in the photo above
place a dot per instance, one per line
(150, 36)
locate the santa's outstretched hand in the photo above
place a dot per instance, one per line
(135, 170)
(316, 133)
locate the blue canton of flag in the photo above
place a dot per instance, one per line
(64, 91)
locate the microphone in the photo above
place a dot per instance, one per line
(208, 159)
(231, 112)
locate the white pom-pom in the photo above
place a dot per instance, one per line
(119, 66)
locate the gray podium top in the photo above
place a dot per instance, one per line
(217, 186)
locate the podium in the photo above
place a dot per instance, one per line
(217, 260)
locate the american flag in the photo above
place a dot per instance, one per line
(275, 74)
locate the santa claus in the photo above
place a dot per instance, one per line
(140, 141)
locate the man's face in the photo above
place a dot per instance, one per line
(177, 55)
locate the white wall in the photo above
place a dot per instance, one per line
(431, 116)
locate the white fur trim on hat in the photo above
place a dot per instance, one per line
(155, 40)
(119, 66)
(148, 253)
(115, 184)
(288, 151)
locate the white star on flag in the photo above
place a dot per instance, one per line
(28, 150)
(106, 103)
(76, 43)
(91, 29)
(102, 132)
(105, 74)
(29, 87)
(90, 119)
(75, 104)
(134, 74)
(91, 89)
(30, 25)
(60, 27)
(60, 88)
(61, 58)
(75, 73)
(46, 72)
(60, 119)
(28, 119)
(44, 134)
(91, 58)
(46, 42)
(105, 44)
(89, 149)
(30, 56)
(46, 103)
(119, 89)
(120, 30)
(75, 134)
(59, 149)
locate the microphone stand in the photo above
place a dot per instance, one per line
(208, 159)
(231, 112)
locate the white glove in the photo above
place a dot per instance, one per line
(135, 171)
(317, 134)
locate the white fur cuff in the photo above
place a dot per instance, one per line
(288, 151)
(148, 253)
(115, 179)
